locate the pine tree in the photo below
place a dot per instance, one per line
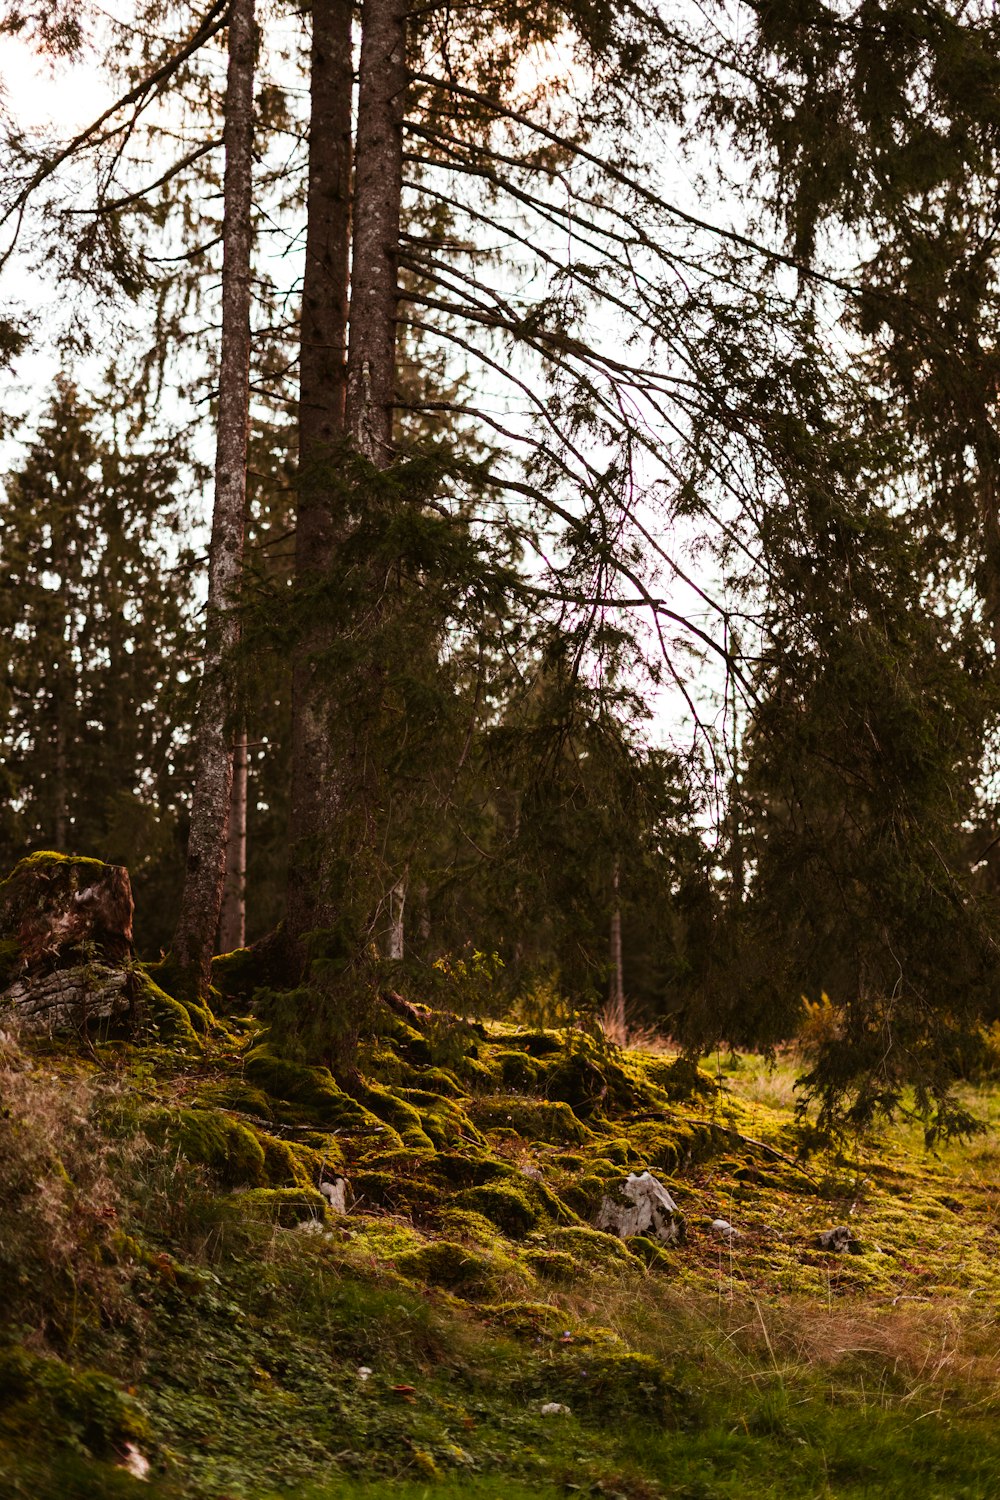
(97, 629)
(194, 938)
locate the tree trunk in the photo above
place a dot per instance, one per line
(616, 997)
(316, 792)
(371, 369)
(206, 854)
(371, 361)
(397, 906)
(233, 920)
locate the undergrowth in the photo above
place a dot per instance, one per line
(176, 1286)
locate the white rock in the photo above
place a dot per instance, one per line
(642, 1205)
(725, 1230)
(555, 1409)
(134, 1462)
(365, 1372)
(335, 1194)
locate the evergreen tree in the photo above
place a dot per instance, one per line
(97, 651)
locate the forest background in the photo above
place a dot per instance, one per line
(615, 594)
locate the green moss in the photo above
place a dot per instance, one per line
(235, 976)
(214, 1140)
(532, 1119)
(313, 1095)
(528, 1320)
(650, 1253)
(397, 1193)
(585, 1195)
(394, 1111)
(557, 1266)
(409, 1042)
(160, 1016)
(468, 1226)
(477, 1073)
(456, 1267)
(288, 1165)
(671, 1147)
(238, 1095)
(285, 1207)
(590, 1247)
(438, 1081)
(169, 976)
(80, 1407)
(609, 1384)
(443, 1120)
(680, 1078)
(517, 1070)
(541, 1043)
(620, 1152)
(505, 1204)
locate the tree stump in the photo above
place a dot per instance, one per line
(642, 1205)
(65, 943)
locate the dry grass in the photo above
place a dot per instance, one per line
(59, 1174)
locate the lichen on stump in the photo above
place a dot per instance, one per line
(66, 942)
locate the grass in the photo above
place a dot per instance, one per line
(408, 1350)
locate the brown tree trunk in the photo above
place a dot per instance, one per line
(371, 368)
(206, 854)
(397, 909)
(371, 361)
(316, 792)
(616, 996)
(233, 918)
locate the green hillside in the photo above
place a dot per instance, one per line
(175, 1281)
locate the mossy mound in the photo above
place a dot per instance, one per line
(539, 1043)
(161, 1017)
(456, 1268)
(285, 1207)
(532, 1119)
(505, 1204)
(291, 1164)
(444, 1120)
(211, 1139)
(306, 1095)
(534, 1321)
(395, 1193)
(82, 1407)
(679, 1078)
(590, 1247)
(556, 1266)
(611, 1384)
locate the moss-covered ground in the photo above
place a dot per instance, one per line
(172, 1278)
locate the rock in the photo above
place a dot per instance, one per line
(555, 1409)
(135, 1463)
(335, 1193)
(837, 1240)
(725, 1230)
(642, 1205)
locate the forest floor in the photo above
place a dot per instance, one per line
(179, 1294)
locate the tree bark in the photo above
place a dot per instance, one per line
(206, 854)
(616, 996)
(371, 360)
(233, 918)
(371, 368)
(397, 907)
(317, 792)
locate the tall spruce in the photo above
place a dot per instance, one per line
(316, 792)
(194, 938)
